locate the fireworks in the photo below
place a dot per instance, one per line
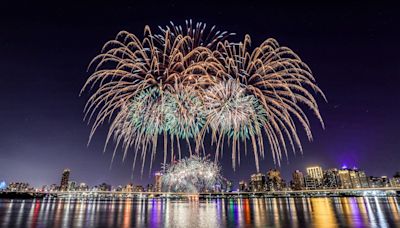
(192, 174)
(233, 114)
(184, 84)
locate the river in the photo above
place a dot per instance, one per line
(256, 212)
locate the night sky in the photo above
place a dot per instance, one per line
(353, 50)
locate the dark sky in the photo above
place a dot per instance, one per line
(353, 50)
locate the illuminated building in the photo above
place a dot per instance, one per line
(128, 188)
(3, 185)
(352, 178)
(64, 180)
(385, 181)
(18, 187)
(45, 188)
(158, 181)
(331, 179)
(379, 182)
(395, 181)
(363, 179)
(71, 186)
(274, 180)
(298, 180)
(104, 187)
(243, 187)
(53, 187)
(315, 172)
(310, 183)
(83, 187)
(344, 178)
(119, 188)
(225, 186)
(150, 188)
(139, 188)
(257, 182)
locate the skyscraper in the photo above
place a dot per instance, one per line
(64, 180)
(158, 182)
(298, 180)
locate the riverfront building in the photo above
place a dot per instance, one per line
(64, 180)
(158, 181)
(257, 182)
(298, 180)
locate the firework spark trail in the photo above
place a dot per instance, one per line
(185, 82)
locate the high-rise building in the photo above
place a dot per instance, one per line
(104, 187)
(158, 182)
(355, 179)
(363, 179)
(330, 180)
(64, 180)
(344, 178)
(243, 186)
(71, 185)
(257, 182)
(310, 183)
(18, 187)
(298, 180)
(315, 172)
(352, 178)
(395, 181)
(274, 180)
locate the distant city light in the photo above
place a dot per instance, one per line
(3, 185)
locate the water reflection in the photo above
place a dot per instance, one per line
(260, 212)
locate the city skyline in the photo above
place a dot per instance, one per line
(42, 129)
(296, 179)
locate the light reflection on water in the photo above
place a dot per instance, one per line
(273, 212)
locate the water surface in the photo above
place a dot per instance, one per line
(258, 212)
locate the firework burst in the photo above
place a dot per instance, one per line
(182, 83)
(193, 174)
(139, 81)
(233, 114)
(279, 80)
